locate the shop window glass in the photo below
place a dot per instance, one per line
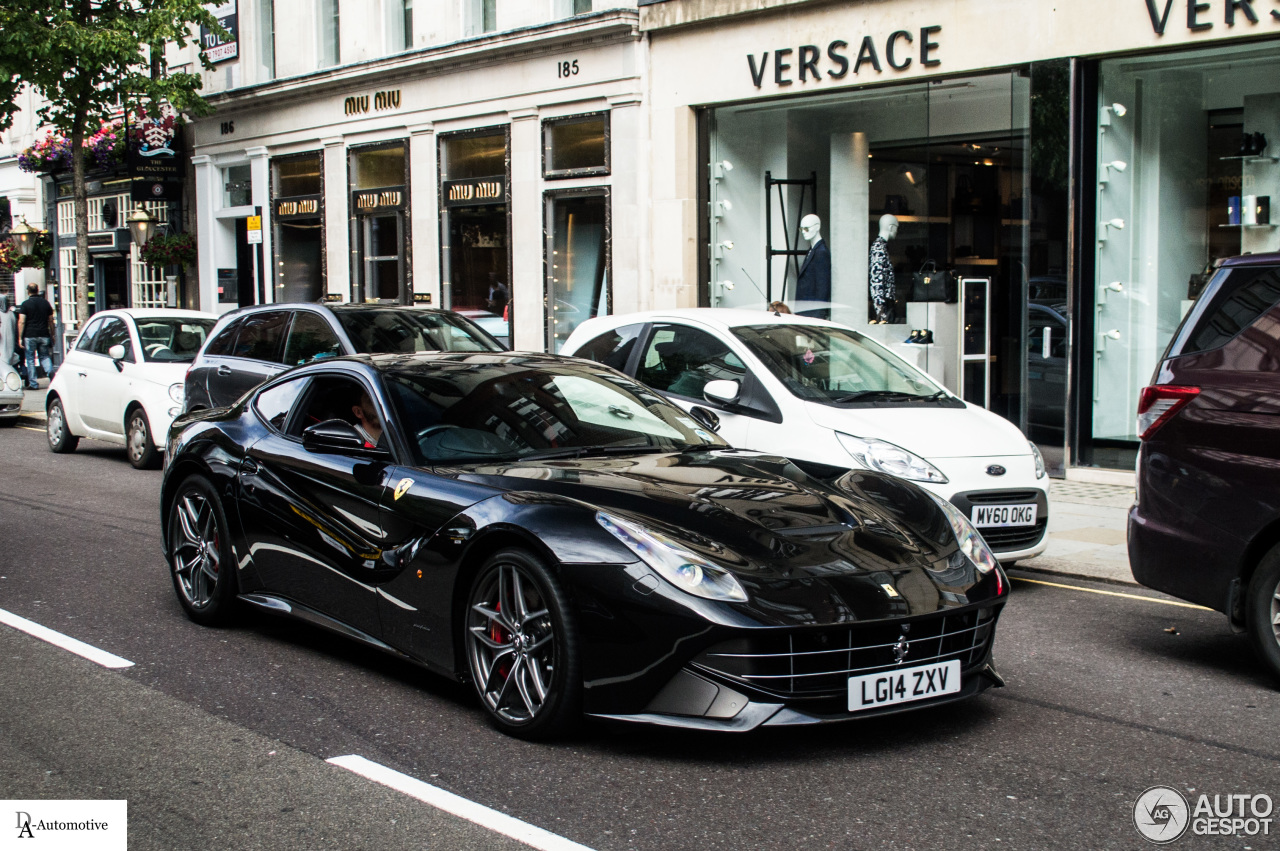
(378, 167)
(576, 146)
(475, 156)
(1180, 181)
(237, 186)
(578, 265)
(298, 176)
(477, 279)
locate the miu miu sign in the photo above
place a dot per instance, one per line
(372, 200)
(359, 104)
(484, 190)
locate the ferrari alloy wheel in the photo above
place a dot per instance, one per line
(55, 426)
(521, 647)
(142, 451)
(203, 572)
(1262, 610)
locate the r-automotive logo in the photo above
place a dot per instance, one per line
(66, 825)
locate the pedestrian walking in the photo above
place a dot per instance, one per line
(35, 321)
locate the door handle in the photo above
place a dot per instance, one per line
(249, 466)
(224, 370)
(83, 374)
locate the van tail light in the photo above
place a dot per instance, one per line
(1159, 403)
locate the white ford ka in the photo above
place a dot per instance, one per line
(832, 399)
(122, 380)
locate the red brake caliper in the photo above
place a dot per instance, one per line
(498, 634)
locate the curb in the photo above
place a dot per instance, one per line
(1063, 574)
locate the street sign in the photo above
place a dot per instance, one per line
(253, 230)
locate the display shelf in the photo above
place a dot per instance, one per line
(906, 219)
(1253, 158)
(1249, 226)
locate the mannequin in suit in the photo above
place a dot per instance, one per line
(814, 282)
(884, 292)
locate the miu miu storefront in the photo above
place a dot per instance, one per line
(501, 177)
(1038, 185)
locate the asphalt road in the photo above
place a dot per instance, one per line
(218, 737)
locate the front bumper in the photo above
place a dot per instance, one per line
(739, 685)
(10, 404)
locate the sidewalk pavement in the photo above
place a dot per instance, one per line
(1086, 522)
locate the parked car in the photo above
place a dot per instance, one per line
(122, 382)
(496, 324)
(832, 400)
(251, 345)
(1206, 523)
(12, 388)
(536, 525)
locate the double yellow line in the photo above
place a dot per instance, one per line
(1112, 593)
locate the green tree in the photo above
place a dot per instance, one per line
(89, 59)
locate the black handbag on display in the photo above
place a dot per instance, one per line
(933, 284)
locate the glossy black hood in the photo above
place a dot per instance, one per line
(865, 546)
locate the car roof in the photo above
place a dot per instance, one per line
(157, 313)
(722, 317)
(1270, 258)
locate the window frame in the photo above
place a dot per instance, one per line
(283, 431)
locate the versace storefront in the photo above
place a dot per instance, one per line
(1019, 198)
(507, 186)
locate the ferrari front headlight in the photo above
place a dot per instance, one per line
(686, 570)
(968, 537)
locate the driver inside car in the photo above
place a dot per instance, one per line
(367, 422)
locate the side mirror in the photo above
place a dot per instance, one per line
(338, 437)
(705, 418)
(116, 353)
(722, 391)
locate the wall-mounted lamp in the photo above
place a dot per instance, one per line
(1113, 334)
(1118, 165)
(723, 207)
(727, 245)
(1116, 109)
(1118, 224)
(23, 237)
(720, 169)
(140, 226)
(1113, 287)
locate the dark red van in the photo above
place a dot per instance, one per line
(1206, 524)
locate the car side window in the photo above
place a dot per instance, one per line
(223, 343)
(274, 403)
(336, 397)
(113, 332)
(310, 338)
(612, 348)
(681, 360)
(261, 336)
(85, 343)
(1246, 295)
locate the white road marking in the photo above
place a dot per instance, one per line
(459, 806)
(66, 642)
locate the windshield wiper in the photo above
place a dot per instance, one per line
(584, 451)
(866, 395)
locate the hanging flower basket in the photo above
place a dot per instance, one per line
(176, 250)
(105, 149)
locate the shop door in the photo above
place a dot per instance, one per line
(112, 277)
(246, 286)
(382, 237)
(480, 283)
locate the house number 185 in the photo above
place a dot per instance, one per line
(567, 69)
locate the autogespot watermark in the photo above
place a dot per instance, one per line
(1162, 815)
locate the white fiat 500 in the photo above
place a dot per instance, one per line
(122, 381)
(832, 399)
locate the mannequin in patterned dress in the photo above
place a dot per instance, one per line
(884, 292)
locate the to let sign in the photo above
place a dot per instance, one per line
(219, 49)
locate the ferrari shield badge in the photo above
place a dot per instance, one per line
(402, 486)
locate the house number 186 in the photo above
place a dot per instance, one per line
(567, 69)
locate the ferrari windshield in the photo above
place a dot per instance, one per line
(478, 408)
(836, 366)
(396, 330)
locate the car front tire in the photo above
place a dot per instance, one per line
(1262, 615)
(142, 451)
(522, 647)
(200, 561)
(61, 440)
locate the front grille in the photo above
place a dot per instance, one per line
(1001, 497)
(1014, 537)
(817, 662)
